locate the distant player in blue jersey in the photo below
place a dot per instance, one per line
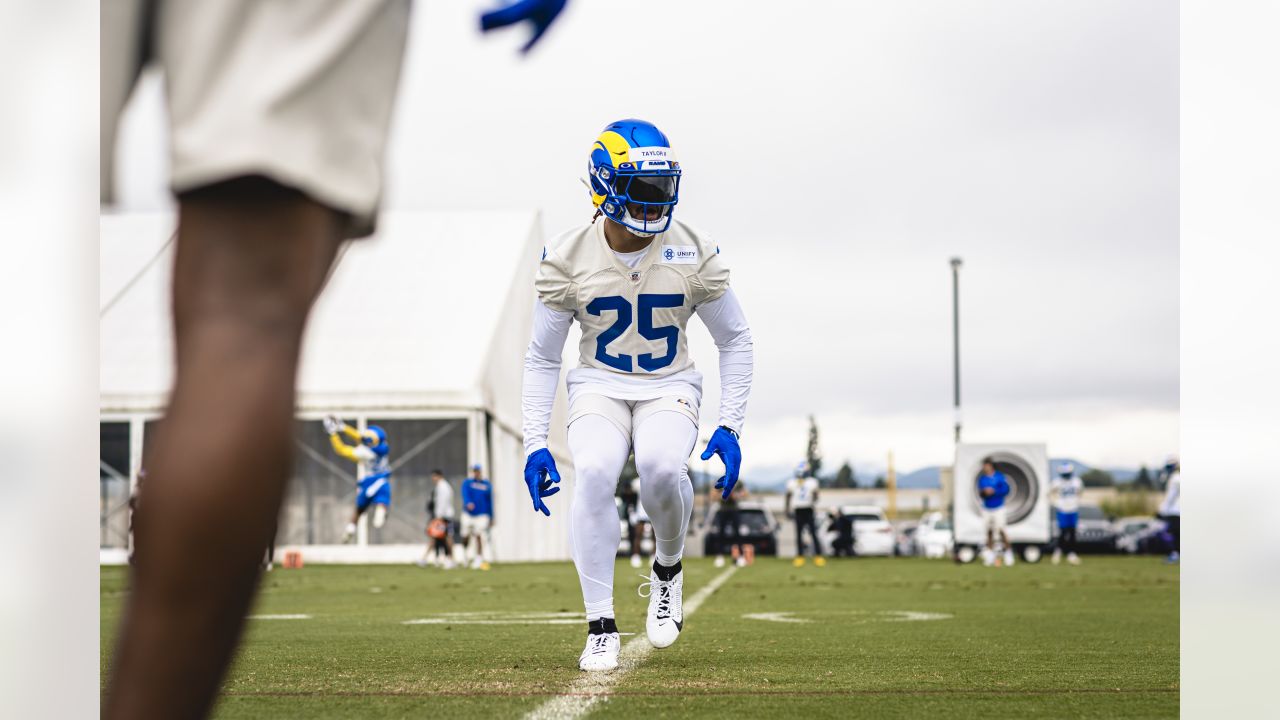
(993, 487)
(477, 518)
(370, 455)
(1064, 492)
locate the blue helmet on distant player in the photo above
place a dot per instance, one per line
(376, 438)
(634, 177)
(1066, 469)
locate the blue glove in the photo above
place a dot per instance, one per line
(725, 444)
(540, 474)
(539, 12)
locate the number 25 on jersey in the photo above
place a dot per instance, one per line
(647, 303)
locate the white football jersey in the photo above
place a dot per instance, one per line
(1066, 492)
(633, 319)
(802, 491)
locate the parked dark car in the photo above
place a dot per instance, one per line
(1094, 533)
(756, 526)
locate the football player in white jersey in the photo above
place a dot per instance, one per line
(801, 501)
(1065, 492)
(632, 278)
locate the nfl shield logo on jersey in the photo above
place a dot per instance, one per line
(635, 277)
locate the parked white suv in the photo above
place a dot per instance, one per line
(872, 533)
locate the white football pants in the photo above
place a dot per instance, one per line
(663, 442)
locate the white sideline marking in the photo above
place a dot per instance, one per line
(910, 615)
(784, 617)
(592, 687)
(500, 618)
(280, 617)
(881, 616)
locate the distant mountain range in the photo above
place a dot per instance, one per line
(774, 479)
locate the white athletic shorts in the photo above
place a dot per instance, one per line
(475, 524)
(627, 415)
(995, 519)
(300, 91)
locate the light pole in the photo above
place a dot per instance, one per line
(955, 338)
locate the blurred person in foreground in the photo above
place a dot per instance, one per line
(993, 488)
(477, 519)
(802, 498)
(1171, 506)
(371, 454)
(1064, 493)
(277, 122)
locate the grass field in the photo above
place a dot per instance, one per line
(1099, 640)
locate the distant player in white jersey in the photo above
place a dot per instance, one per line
(1064, 492)
(632, 278)
(802, 499)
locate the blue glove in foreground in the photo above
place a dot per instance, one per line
(725, 444)
(540, 474)
(539, 12)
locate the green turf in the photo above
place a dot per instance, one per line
(1099, 640)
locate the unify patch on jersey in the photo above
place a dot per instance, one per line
(680, 254)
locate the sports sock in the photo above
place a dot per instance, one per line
(664, 572)
(602, 626)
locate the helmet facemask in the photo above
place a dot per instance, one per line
(641, 201)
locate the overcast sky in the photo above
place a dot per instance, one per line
(840, 153)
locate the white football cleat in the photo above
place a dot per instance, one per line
(1008, 558)
(349, 533)
(635, 561)
(601, 652)
(1057, 557)
(988, 557)
(666, 608)
(719, 561)
(1073, 558)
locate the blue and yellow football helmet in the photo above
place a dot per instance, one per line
(634, 176)
(376, 438)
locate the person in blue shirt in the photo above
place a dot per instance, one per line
(477, 518)
(993, 487)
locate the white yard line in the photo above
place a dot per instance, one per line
(590, 688)
(280, 617)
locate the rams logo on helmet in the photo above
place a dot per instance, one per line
(634, 176)
(376, 438)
